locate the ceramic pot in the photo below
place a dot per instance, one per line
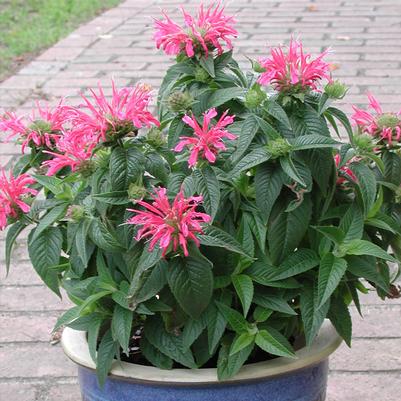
(280, 379)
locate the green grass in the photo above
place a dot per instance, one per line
(29, 26)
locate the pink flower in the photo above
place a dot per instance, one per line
(12, 193)
(42, 129)
(291, 68)
(345, 170)
(74, 149)
(169, 225)
(386, 126)
(200, 34)
(208, 140)
(128, 109)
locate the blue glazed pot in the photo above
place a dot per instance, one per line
(281, 379)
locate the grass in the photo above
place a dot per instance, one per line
(29, 26)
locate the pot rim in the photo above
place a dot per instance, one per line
(76, 348)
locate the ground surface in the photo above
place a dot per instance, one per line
(29, 26)
(366, 36)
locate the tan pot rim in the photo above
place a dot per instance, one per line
(75, 346)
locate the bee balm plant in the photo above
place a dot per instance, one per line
(224, 232)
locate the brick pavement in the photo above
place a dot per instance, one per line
(366, 37)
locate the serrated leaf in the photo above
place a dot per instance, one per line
(121, 326)
(276, 111)
(216, 237)
(313, 141)
(248, 131)
(352, 223)
(154, 356)
(237, 322)
(363, 247)
(274, 303)
(207, 64)
(341, 116)
(208, 185)
(299, 262)
(192, 330)
(241, 341)
(215, 327)
(331, 271)
(229, 365)
(289, 168)
(45, 252)
(333, 233)
(49, 218)
(191, 282)
(312, 316)
(244, 287)
(340, 317)
(105, 357)
(113, 198)
(222, 96)
(13, 232)
(268, 184)
(274, 344)
(366, 185)
(252, 159)
(103, 237)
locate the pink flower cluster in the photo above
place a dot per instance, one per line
(290, 68)
(345, 170)
(170, 225)
(13, 190)
(201, 34)
(386, 126)
(42, 129)
(69, 134)
(208, 139)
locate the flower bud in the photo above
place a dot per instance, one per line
(335, 90)
(255, 97)
(87, 168)
(201, 75)
(279, 147)
(76, 213)
(155, 138)
(180, 101)
(257, 67)
(364, 143)
(136, 192)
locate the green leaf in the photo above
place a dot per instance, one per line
(192, 330)
(49, 218)
(274, 303)
(300, 261)
(252, 159)
(105, 357)
(267, 128)
(81, 241)
(237, 322)
(215, 327)
(241, 341)
(229, 365)
(363, 247)
(121, 326)
(366, 185)
(207, 64)
(93, 335)
(249, 129)
(286, 230)
(125, 167)
(216, 237)
(341, 116)
(268, 184)
(392, 168)
(331, 271)
(289, 168)
(312, 315)
(67, 317)
(276, 111)
(103, 237)
(175, 130)
(313, 141)
(244, 287)
(333, 233)
(154, 356)
(53, 184)
(113, 198)
(340, 317)
(222, 96)
(167, 343)
(274, 343)
(45, 252)
(208, 185)
(352, 223)
(12, 234)
(191, 282)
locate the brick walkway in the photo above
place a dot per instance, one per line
(366, 37)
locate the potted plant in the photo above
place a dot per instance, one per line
(213, 251)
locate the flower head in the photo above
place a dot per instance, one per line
(13, 190)
(291, 69)
(170, 225)
(345, 170)
(208, 139)
(386, 126)
(74, 150)
(200, 34)
(43, 128)
(126, 112)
